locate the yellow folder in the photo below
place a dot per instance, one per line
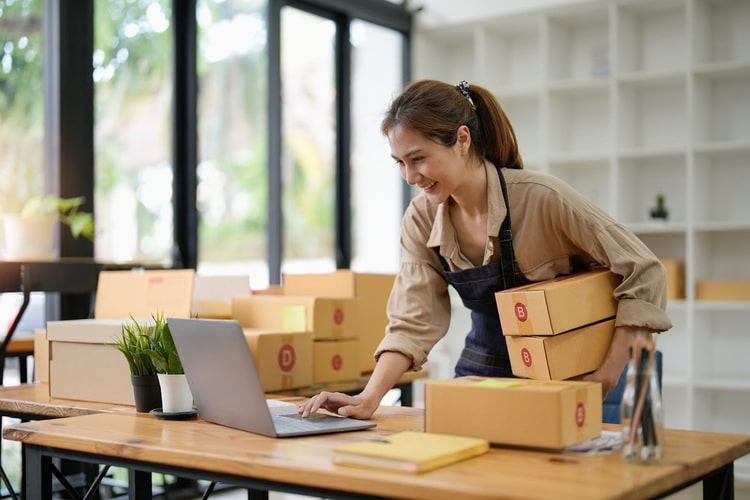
(410, 451)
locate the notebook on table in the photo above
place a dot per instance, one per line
(226, 386)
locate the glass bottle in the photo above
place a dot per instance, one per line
(641, 408)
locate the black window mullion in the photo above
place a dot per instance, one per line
(275, 220)
(68, 27)
(343, 236)
(68, 88)
(185, 134)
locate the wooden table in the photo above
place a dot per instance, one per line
(303, 465)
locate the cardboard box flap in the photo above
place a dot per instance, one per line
(89, 331)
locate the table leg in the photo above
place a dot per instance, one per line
(719, 485)
(37, 473)
(407, 393)
(139, 485)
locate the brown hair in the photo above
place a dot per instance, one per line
(436, 110)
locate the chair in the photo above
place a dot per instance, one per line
(611, 405)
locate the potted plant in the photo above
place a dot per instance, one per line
(29, 234)
(175, 392)
(134, 343)
(660, 210)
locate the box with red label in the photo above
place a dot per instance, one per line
(325, 318)
(518, 412)
(335, 360)
(558, 305)
(284, 359)
(370, 291)
(559, 357)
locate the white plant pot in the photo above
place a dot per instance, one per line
(29, 237)
(175, 393)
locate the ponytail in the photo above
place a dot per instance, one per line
(436, 110)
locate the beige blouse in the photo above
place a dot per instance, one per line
(555, 229)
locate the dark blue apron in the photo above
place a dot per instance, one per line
(485, 353)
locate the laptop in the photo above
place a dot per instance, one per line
(226, 386)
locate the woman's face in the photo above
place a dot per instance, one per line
(438, 170)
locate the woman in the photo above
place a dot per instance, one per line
(483, 224)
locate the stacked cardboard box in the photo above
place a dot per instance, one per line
(675, 278)
(370, 292)
(560, 328)
(731, 290)
(213, 294)
(283, 359)
(330, 321)
(83, 362)
(515, 412)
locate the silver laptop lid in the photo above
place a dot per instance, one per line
(221, 373)
(226, 386)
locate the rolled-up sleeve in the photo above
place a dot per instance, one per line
(419, 305)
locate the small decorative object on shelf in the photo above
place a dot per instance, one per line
(642, 416)
(660, 210)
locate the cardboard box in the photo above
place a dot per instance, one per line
(371, 292)
(558, 305)
(41, 356)
(723, 290)
(284, 359)
(518, 412)
(675, 278)
(335, 360)
(84, 363)
(562, 356)
(142, 293)
(212, 294)
(325, 318)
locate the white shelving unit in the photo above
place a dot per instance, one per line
(627, 99)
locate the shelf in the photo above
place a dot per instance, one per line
(730, 384)
(720, 31)
(657, 227)
(722, 305)
(578, 43)
(651, 36)
(513, 45)
(721, 226)
(652, 115)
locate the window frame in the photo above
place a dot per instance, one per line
(68, 30)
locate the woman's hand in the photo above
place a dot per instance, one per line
(608, 380)
(341, 404)
(608, 374)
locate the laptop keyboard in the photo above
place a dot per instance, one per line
(294, 422)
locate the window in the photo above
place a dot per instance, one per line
(21, 103)
(132, 74)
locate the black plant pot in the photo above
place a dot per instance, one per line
(147, 392)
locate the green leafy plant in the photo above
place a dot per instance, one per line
(81, 224)
(135, 342)
(163, 352)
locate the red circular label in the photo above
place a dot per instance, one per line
(580, 415)
(336, 362)
(526, 356)
(286, 358)
(338, 316)
(521, 313)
